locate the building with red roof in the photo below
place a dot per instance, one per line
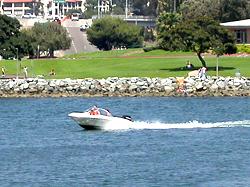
(51, 8)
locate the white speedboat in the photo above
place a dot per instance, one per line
(90, 121)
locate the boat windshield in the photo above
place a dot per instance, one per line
(102, 111)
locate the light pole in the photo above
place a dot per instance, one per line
(174, 6)
(17, 65)
(38, 51)
(217, 66)
(110, 7)
(2, 5)
(98, 9)
(126, 9)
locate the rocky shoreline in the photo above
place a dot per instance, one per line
(130, 87)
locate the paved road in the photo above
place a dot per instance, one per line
(79, 42)
(79, 39)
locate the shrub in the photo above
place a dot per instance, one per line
(243, 48)
(230, 48)
(150, 48)
(107, 33)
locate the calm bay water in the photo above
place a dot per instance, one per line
(173, 142)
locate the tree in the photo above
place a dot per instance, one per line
(39, 10)
(22, 43)
(107, 33)
(166, 35)
(91, 8)
(49, 37)
(116, 10)
(191, 9)
(234, 10)
(144, 7)
(203, 34)
(12, 40)
(198, 35)
(117, 7)
(220, 10)
(169, 6)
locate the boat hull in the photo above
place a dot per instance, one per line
(96, 122)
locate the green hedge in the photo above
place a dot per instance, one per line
(243, 48)
(150, 48)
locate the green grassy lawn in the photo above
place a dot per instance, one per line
(127, 63)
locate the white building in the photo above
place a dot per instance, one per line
(51, 8)
(16, 7)
(241, 29)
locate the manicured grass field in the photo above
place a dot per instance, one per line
(127, 63)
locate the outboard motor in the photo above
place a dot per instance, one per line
(127, 117)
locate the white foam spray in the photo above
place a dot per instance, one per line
(140, 125)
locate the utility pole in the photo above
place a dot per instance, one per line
(1, 8)
(217, 66)
(38, 52)
(17, 64)
(111, 6)
(126, 9)
(174, 6)
(98, 9)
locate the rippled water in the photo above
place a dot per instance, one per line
(173, 142)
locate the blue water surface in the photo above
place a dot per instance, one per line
(181, 142)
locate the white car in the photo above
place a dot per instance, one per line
(75, 17)
(84, 27)
(49, 17)
(39, 17)
(28, 16)
(12, 15)
(32, 16)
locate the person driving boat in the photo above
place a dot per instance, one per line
(94, 111)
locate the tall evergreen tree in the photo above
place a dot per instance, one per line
(220, 10)
(234, 10)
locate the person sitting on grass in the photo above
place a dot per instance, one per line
(52, 72)
(189, 65)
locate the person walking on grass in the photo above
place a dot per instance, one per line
(25, 71)
(3, 71)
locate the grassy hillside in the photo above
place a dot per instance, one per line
(127, 63)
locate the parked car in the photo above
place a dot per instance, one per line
(12, 15)
(32, 16)
(81, 16)
(84, 27)
(39, 16)
(28, 16)
(75, 17)
(49, 17)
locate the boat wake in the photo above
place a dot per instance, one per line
(140, 125)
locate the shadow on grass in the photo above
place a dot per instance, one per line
(211, 68)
